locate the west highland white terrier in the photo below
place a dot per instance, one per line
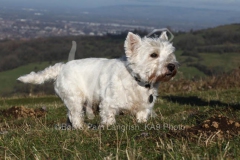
(129, 83)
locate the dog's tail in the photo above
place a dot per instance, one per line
(40, 77)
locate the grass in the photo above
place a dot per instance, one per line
(42, 138)
(8, 78)
(186, 71)
(224, 62)
(189, 72)
(227, 61)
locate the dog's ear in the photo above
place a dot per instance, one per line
(164, 36)
(131, 43)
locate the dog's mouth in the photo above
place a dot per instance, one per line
(169, 74)
(163, 77)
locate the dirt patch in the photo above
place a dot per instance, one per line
(23, 112)
(218, 126)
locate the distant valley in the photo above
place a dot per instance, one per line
(29, 21)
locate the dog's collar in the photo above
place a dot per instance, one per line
(141, 83)
(145, 84)
(138, 78)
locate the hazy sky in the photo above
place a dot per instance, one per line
(210, 4)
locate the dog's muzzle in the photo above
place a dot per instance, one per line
(171, 69)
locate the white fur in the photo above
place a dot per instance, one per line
(110, 83)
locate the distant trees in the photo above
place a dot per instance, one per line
(223, 39)
(16, 53)
(189, 41)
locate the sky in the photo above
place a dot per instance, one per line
(208, 4)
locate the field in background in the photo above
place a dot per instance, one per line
(9, 81)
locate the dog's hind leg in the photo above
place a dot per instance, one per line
(89, 110)
(74, 101)
(75, 111)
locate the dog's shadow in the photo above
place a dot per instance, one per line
(196, 101)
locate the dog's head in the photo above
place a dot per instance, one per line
(152, 59)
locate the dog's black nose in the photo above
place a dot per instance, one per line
(171, 67)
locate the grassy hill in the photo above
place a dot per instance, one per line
(197, 118)
(211, 51)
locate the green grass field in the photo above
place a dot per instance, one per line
(224, 62)
(43, 138)
(8, 78)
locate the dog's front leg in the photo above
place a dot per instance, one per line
(107, 114)
(142, 115)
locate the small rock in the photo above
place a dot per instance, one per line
(144, 134)
(3, 132)
(207, 121)
(187, 127)
(205, 125)
(237, 124)
(230, 121)
(215, 124)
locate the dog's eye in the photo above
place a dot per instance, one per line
(154, 55)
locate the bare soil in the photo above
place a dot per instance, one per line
(217, 126)
(23, 112)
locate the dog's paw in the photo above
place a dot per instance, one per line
(141, 120)
(90, 116)
(142, 117)
(108, 121)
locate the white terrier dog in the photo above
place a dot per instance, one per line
(129, 83)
